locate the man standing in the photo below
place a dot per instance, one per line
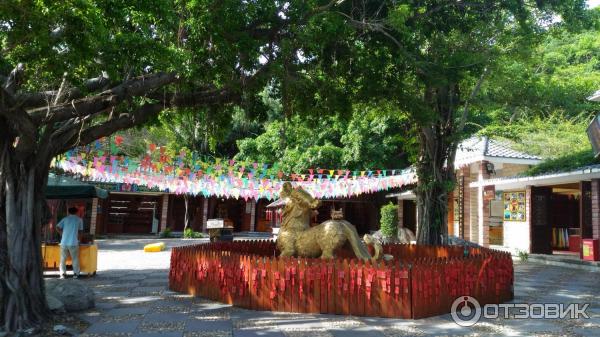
(70, 228)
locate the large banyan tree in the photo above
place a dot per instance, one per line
(72, 72)
(431, 58)
(75, 71)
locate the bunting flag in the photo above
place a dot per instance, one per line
(185, 173)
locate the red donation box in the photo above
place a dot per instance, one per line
(591, 250)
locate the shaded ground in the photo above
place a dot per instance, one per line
(133, 300)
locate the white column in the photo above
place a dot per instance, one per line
(483, 220)
(480, 230)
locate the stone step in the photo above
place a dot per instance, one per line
(253, 234)
(565, 261)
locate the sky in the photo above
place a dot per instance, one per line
(593, 3)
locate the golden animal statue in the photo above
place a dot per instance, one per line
(297, 238)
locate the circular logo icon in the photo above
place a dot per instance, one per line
(465, 311)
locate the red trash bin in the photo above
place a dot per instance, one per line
(591, 249)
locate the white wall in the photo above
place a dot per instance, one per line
(517, 235)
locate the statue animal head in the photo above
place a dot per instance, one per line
(299, 196)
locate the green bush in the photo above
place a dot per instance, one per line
(189, 233)
(166, 233)
(389, 220)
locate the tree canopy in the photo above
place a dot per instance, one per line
(409, 72)
(539, 102)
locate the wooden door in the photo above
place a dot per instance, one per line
(541, 220)
(585, 209)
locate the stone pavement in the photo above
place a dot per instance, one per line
(132, 299)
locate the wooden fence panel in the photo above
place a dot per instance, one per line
(314, 284)
(322, 285)
(302, 286)
(345, 288)
(422, 280)
(360, 289)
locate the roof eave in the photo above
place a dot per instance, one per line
(595, 97)
(503, 160)
(511, 160)
(406, 195)
(546, 179)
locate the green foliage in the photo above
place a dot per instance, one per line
(167, 233)
(539, 102)
(189, 233)
(548, 138)
(523, 255)
(565, 163)
(561, 142)
(550, 83)
(389, 220)
(372, 138)
(84, 38)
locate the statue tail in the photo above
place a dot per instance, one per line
(360, 250)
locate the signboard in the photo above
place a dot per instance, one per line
(514, 206)
(215, 223)
(496, 208)
(218, 223)
(489, 192)
(591, 250)
(593, 133)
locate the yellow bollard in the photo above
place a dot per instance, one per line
(154, 247)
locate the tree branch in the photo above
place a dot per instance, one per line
(380, 28)
(81, 107)
(200, 98)
(29, 100)
(140, 116)
(474, 92)
(140, 86)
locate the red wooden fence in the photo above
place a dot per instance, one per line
(421, 281)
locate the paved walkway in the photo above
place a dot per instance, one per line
(133, 300)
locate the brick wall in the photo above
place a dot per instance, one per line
(465, 172)
(94, 216)
(205, 202)
(252, 214)
(164, 212)
(473, 207)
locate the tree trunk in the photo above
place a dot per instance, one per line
(432, 203)
(22, 207)
(435, 166)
